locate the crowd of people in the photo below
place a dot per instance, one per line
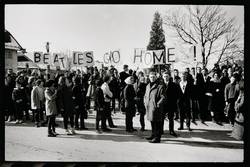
(190, 96)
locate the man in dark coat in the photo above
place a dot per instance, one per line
(123, 75)
(171, 93)
(203, 86)
(79, 100)
(114, 86)
(153, 99)
(185, 89)
(231, 94)
(65, 104)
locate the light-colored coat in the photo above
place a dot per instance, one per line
(106, 92)
(153, 100)
(50, 103)
(35, 98)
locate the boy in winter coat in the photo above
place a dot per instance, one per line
(99, 102)
(35, 101)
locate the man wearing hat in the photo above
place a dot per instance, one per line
(123, 75)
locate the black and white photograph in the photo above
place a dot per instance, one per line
(124, 83)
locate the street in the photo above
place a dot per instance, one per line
(206, 143)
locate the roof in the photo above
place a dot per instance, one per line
(11, 43)
(22, 60)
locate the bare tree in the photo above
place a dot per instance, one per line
(206, 26)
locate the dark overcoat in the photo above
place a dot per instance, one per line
(171, 93)
(129, 96)
(65, 100)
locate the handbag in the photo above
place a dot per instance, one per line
(239, 117)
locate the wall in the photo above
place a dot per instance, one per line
(11, 59)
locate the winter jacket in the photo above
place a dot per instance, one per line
(35, 98)
(50, 102)
(153, 100)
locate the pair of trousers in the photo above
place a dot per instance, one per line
(19, 111)
(185, 112)
(195, 109)
(156, 129)
(142, 120)
(51, 123)
(113, 103)
(171, 122)
(100, 117)
(79, 114)
(231, 111)
(36, 115)
(129, 120)
(107, 113)
(203, 107)
(66, 119)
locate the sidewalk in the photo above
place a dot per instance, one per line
(210, 143)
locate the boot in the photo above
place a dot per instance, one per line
(67, 132)
(51, 134)
(72, 130)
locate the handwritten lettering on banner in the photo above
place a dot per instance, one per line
(55, 59)
(170, 55)
(145, 58)
(159, 57)
(83, 58)
(112, 57)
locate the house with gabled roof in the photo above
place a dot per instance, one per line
(12, 48)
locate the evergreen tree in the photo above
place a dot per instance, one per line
(157, 37)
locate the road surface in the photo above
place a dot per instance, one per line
(206, 143)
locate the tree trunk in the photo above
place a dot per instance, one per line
(203, 57)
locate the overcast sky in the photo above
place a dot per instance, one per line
(97, 28)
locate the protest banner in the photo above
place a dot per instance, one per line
(146, 58)
(159, 57)
(60, 60)
(52, 59)
(112, 57)
(83, 58)
(170, 56)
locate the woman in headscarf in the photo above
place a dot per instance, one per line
(217, 98)
(129, 96)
